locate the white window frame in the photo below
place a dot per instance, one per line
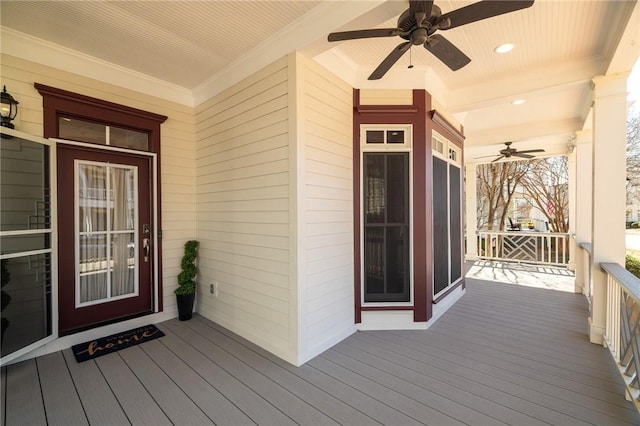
(407, 147)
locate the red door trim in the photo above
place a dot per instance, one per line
(62, 102)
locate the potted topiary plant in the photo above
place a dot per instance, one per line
(186, 291)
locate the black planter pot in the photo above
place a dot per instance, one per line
(185, 306)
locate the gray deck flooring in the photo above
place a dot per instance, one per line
(504, 354)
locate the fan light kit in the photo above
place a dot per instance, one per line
(419, 23)
(504, 48)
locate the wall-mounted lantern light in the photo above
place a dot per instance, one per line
(8, 109)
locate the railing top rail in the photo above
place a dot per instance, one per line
(532, 233)
(627, 280)
(585, 246)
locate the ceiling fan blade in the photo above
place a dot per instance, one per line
(391, 59)
(482, 10)
(420, 8)
(499, 158)
(444, 50)
(357, 34)
(520, 154)
(528, 151)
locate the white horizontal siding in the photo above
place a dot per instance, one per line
(243, 215)
(326, 308)
(177, 149)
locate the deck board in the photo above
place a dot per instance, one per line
(174, 402)
(284, 400)
(243, 397)
(208, 399)
(323, 401)
(503, 354)
(99, 403)
(137, 403)
(24, 405)
(61, 400)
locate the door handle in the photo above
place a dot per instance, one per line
(146, 245)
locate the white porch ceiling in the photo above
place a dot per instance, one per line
(203, 46)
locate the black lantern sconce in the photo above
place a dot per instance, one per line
(8, 109)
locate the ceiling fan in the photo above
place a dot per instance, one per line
(419, 23)
(509, 152)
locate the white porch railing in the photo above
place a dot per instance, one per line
(587, 284)
(549, 248)
(622, 330)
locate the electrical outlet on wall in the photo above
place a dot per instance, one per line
(213, 288)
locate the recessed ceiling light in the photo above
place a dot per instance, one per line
(504, 48)
(518, 102)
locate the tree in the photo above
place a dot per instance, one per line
(633, 156)
(547, 184)
(496, 184)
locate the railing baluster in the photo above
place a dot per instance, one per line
(523, 246)
(622, 328)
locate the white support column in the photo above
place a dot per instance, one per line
(471, 208)
(609, 189)
(584, 197)
(571, 164)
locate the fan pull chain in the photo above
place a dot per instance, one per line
(410, 59)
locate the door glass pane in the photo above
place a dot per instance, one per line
(92, 193)
(123, 261)
(122, 203)
(107, 232)
(93, 267)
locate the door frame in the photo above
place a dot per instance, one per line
(154, 204)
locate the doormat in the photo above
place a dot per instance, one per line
(115, 342)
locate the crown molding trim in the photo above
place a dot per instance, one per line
(24, 46)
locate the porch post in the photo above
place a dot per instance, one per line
(584, 196)
(609, 190)
(571, 164)
(471, 209)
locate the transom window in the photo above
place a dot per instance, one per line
(76, 129)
